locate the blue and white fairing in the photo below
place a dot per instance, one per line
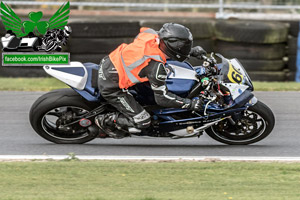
(234, 77)
(78, 76)
(74, 74)
(181, 77)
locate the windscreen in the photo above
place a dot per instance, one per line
(233, 72)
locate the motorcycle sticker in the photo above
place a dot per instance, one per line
(234, 75)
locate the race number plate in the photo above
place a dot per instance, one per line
(234, 75)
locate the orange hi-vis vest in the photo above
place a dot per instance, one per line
(130, 59)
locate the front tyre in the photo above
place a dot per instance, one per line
(52, 111)
(255, 124)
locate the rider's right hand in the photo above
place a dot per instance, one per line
(198, 52)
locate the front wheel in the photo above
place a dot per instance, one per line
(255, 124)
(52, 112)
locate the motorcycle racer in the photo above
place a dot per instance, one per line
(140, 61)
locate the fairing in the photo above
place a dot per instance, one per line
(180, 80)
(181, 77)
(78, 76)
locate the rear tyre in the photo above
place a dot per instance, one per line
(256, 123)
(52, 111)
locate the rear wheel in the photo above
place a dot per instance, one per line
(255, 124)
(56, 116)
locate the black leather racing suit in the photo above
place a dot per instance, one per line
(134, 115)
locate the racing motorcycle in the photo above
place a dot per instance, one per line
(231, 113)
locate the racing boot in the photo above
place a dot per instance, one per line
(108, 124)
(127, 125)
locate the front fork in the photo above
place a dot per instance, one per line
(238, 115)
(252, 102)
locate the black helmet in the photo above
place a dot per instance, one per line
(176, 41)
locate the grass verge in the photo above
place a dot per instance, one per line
(30, 84)
(118, 180)
(276, 86)
(47, 84)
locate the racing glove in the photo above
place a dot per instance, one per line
(197, 52)
(196, 105)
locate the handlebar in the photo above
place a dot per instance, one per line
(212, 61)
(209, 64)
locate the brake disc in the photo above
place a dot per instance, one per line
(248, 125)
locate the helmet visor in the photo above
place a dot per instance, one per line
(182, 47)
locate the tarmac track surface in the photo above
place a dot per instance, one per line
(18, 138)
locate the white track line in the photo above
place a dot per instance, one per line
(148, 158)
